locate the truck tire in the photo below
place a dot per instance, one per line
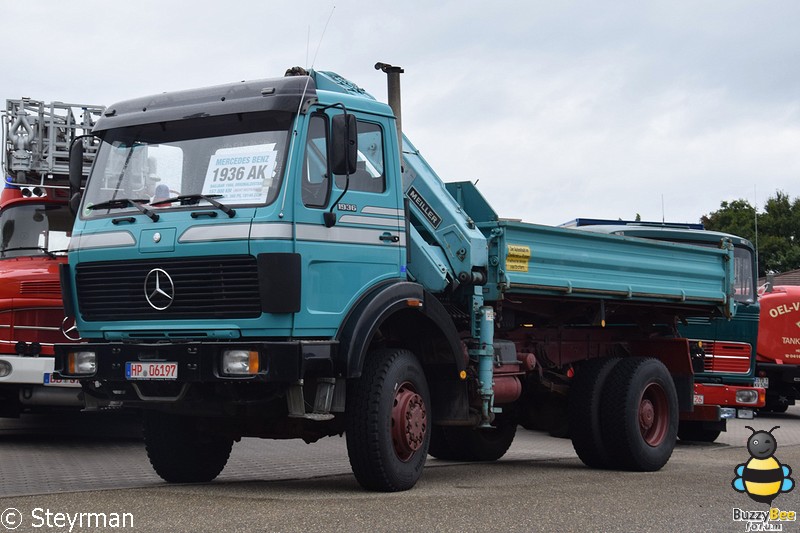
(774, 404)
(639, 415)
(694, 431)
(455, 443)
(180, 452)
(584, 410)
(440, 446)
(388, 419)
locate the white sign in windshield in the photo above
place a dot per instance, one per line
(242, 174)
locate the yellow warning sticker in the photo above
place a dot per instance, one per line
(517, 258)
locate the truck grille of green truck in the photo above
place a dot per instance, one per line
(204, 287)
(727, 357)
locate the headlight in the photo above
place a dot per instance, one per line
(747, 396)
(82, 363)
(240, 362)
(5, 368)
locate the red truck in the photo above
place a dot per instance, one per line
(778, 351)
(35, 228)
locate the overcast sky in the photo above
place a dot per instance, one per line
(561, 109)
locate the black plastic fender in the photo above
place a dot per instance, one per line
(379, 304)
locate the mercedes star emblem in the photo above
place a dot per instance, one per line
(69, 329)
(159, 290)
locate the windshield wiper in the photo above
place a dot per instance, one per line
(194, 199)
(44, 250)
(119, 203)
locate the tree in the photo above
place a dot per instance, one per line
(778, 229)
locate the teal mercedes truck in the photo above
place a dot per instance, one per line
(275, 259)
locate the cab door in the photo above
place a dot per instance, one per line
(364, 246)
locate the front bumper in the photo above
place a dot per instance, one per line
(196, 384)
(200, 362)
(33, 371)
(785, 373)
(714, 402)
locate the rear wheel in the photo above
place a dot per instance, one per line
(695, 431)
(473, 444)
(584, 410)
(182, 453)
(639, 414)
(441, 447)
(388, 420)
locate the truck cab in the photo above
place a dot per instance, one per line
(188, 188)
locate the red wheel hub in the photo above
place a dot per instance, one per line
(654, 414)
(409, 421)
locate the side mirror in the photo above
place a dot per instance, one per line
(76, 165)
(344, 144)
(75, 203)
(8, 232)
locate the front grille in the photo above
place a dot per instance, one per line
(40, 287)
(727, 357)
(34, 324)
(219, 287)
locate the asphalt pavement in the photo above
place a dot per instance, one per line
(56, 472)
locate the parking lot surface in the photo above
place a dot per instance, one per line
(98, 465)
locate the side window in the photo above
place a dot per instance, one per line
(315, 186)
(370, 175)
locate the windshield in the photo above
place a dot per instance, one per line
(744, 275)
(34, 229)
(237, 157)
(743, 284)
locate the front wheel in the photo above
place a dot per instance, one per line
(388, 421)
(180, 451)
(639, 414)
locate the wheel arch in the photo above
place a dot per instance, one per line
(400, 314)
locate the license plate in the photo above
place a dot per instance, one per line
(761, 382)
(699, 399)
(140, 370)
(51, 380)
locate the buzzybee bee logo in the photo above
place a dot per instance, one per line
(763, 478)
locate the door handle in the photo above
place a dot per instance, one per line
(388, 237)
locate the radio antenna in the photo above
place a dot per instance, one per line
(755, 224)
(300, 107)
(319, 44)
(308, 43)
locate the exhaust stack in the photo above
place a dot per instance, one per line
(393, 89)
